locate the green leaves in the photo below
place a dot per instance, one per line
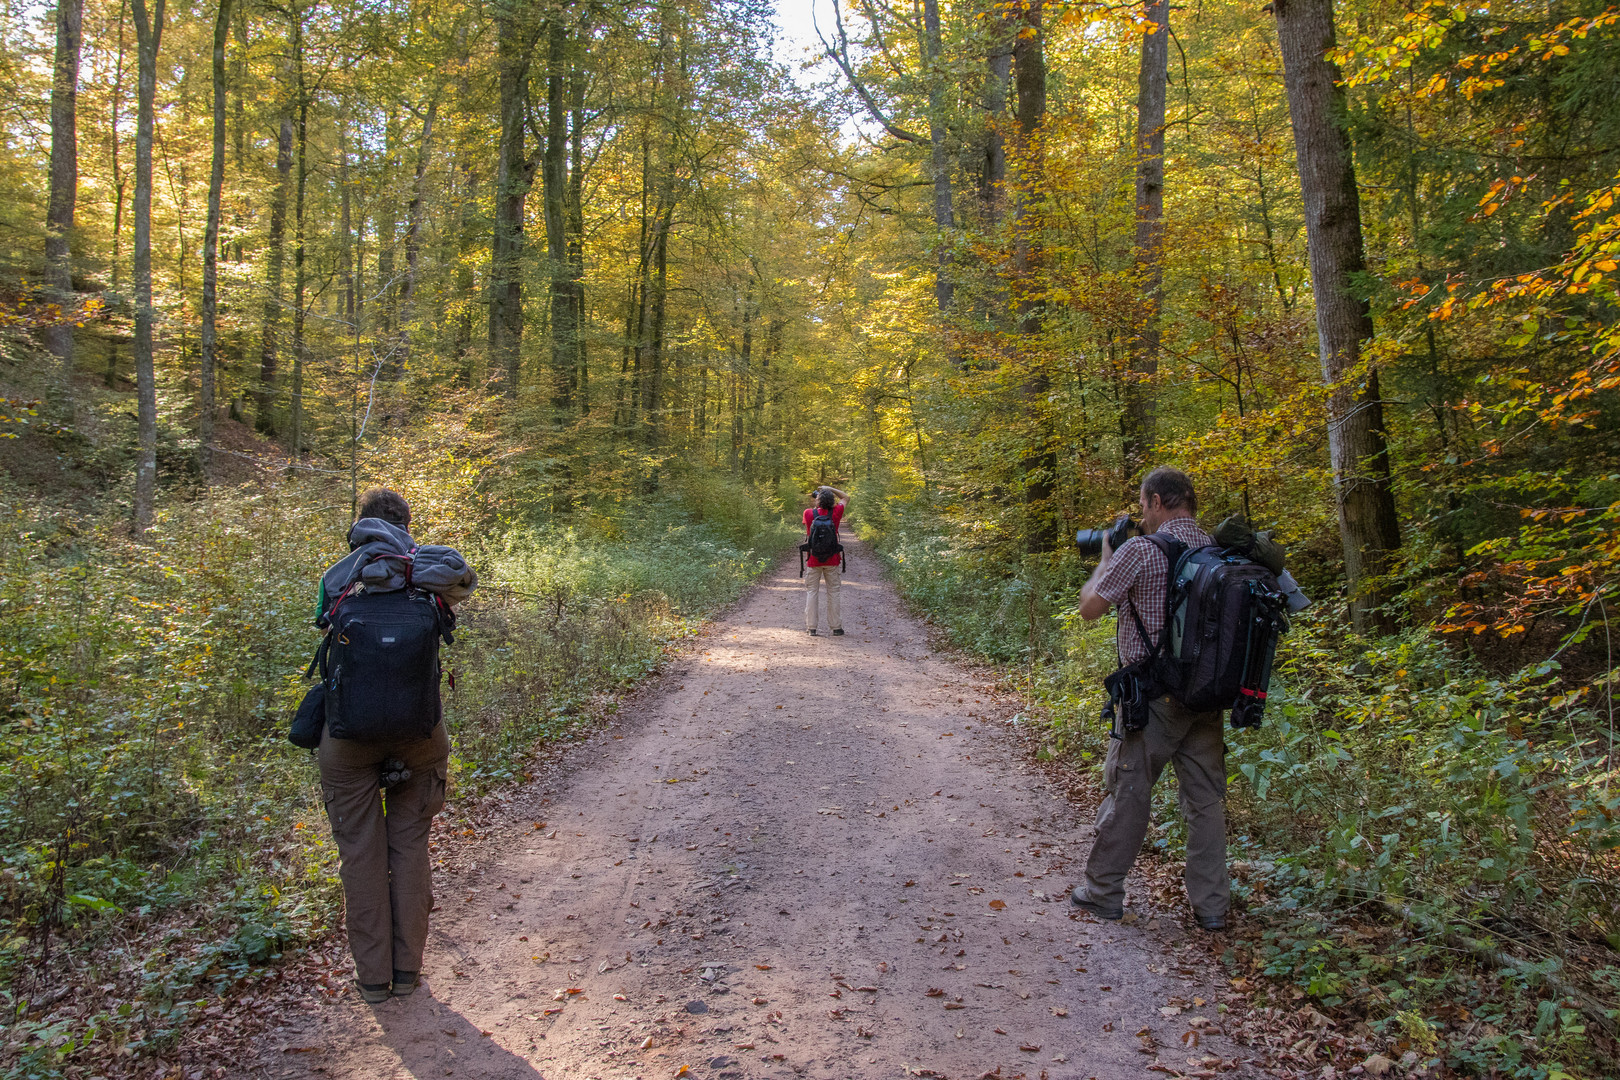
(93, 903)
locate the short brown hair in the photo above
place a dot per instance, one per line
(1173, 487)
(389, 505)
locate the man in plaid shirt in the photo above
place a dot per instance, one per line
(1137, 577)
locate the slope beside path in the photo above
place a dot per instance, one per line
(789, 856)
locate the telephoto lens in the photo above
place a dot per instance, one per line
(1090, 541)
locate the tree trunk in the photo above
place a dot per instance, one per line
(1368, 527)
(1029, 77)
(471, 234)
(990, 306)
(1140, 404)
(994, 177)
(1039, 461)
(120, 182)
(345, 223)
(387, 241)
(554, 188)
(210, 281)
(415, 213)
(64, 192)
(513, 178)
(264, 397)
(650, 353)
(576, 231)
(239, 107)
(299, 237)
(148, 37)
(939, 160)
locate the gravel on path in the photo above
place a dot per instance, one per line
(789, 856)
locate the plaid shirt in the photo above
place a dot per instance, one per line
(1139, 573)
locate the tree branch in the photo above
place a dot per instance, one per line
(840, 56)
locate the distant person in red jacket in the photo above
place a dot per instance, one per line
(828, 566)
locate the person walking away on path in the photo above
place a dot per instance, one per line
(382, 839)
(826, 569)
(1136, 578)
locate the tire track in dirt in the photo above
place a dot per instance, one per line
(789, 856)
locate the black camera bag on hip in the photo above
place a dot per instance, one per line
(1225, 613)
(380, 664)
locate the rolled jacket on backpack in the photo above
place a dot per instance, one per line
(381, 554)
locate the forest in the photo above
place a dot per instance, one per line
(608, 288)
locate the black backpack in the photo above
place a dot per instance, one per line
(1225, 614)
(379, 666)
(823, 542)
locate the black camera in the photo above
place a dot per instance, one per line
(1090, 541)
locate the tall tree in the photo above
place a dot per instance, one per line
(1368, 528)
(115, 144)
(998, 70)
(148, 37)
(300, 311)
(554, 189)
(415, 215)
(1039, 462)
(938, 154)
(1140, 405)
(576, 230)
(209, 335)
(270, 333)
(64, 191)
(516, 33)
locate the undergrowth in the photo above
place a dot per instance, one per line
(1426, 850)
(160, 841)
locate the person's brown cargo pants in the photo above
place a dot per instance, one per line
(387, 875)
(1193, 743)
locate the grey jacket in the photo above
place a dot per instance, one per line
(382, 555)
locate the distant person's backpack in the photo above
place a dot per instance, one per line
(824, 535)
(823, 541)
(1225, 614)
(379, 664)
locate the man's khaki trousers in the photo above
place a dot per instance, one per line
(813, 577)
(387, 875)
(1191, 742)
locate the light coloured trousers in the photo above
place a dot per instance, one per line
(1191, 742)
(387, 873)
(813, 577)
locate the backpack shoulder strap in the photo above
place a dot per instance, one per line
(1175, 553)
(446, 618)
(1173, 550)
(325, 618)
(318, 661)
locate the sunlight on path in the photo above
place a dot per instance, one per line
(794, 856)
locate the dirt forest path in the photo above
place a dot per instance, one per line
(789, 856)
